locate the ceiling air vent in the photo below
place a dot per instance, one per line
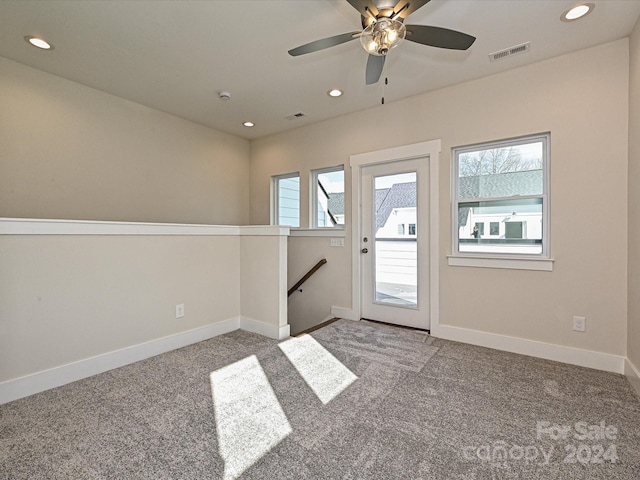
(507, 52)
(295, 116)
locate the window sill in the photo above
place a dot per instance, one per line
(513, 263)
(316, 232)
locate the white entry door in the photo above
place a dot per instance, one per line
(394, 243)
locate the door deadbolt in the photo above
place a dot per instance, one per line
(365, 250)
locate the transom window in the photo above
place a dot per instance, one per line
(503, 185)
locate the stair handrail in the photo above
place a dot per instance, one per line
(306, 276)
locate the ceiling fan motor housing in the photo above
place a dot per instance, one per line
(386, 12)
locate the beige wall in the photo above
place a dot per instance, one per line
(329, 286)
(633, 342)
(263, 270)
(66, 298)
(582, 99)
(68, 151)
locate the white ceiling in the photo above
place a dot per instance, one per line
(176, 56)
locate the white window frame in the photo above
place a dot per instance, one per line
(541, 261)
(313, 213)
(275, 196)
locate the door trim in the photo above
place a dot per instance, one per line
(431, 150)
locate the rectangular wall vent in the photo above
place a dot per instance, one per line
(295, 116)
(507, 52)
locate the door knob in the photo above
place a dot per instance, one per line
(365, 250)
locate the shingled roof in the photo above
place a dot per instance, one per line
(335, 203)
(403, 195)
(400, 195)
(526, 182)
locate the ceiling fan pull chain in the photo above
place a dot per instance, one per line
(386, 82)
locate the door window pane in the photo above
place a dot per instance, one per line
(396, 268)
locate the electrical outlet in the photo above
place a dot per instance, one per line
(579, 324)
(180, 310)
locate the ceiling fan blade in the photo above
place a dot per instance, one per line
(439, 37)
(364, 7)
(404, 8)
(322, 44)
(375, 64)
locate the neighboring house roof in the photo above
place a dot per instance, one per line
(403, 195)
(335, 203)
(527, 182)
(463, 216)
(400, 195)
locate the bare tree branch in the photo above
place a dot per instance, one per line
(495, 161)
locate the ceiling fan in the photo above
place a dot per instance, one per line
(383, 29)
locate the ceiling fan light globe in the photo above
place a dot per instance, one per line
(383, 35)
(371, 47)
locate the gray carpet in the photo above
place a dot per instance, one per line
(353, 400)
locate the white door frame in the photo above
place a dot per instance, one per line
(431, 150)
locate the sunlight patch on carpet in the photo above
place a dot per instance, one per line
(323, 372)
(249, 419)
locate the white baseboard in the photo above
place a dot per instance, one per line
(341, 312)
(633, 374)
(265, 329)
(558, 353)
(14, 389)
(54, 377)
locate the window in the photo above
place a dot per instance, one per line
(401, 229)
(328, 197)
(504, 184)
(513, 230)
(286, 189)
(412, 229)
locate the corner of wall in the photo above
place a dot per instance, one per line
(633, 219)
(633, 375)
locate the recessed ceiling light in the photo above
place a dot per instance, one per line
(248, 124)
(577, 11)
(38, 42)
(334, 93)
